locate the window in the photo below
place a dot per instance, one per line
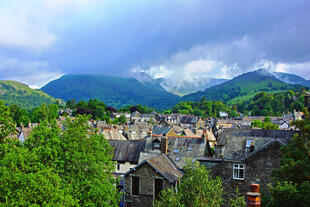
(238, 171)
(249, 142)
(158, 187)
(118, 166)
(176, 151)
(156, 145)
(134, 185)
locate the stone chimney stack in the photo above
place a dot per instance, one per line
(164, 144)
(254, 197)
(205, 135)
(150, 133)
(252, 147)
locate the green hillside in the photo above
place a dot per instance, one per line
(115, 91)
(13, 92)
(242, 87)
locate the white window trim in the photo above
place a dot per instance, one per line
(238, 167)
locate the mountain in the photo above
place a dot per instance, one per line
(13, 92)
(114, 91)
(242, 87)
(185, 87)
(292, 79)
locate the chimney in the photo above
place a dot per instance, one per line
(254, 197)
(150, 133)
(205, 135)
(252, 147)
(164, 144)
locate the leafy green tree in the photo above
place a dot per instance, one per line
(25, 181)
(197, 188)
(7, 126)
(292, 179)
(122, 119)
(81, 157)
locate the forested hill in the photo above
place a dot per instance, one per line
(242, 87)
(114, 91)
(13, 92)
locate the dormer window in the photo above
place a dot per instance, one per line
(156, 144)
(176, 151)
(249, 142)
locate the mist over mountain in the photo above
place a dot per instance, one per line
(186, 87)
(292, 79)
(114, 91)
(242, 87)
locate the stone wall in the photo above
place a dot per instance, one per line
(258, 169)
(147, 177)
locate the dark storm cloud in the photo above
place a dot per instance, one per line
(117, 36)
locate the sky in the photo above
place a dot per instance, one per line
(40, 40)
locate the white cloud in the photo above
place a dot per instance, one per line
(222, 60)
(33, 73)
(18, 32)
(29, 24)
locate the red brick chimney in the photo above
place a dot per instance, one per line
(254, 197)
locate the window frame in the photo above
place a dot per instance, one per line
(238, 167)
(134, 191)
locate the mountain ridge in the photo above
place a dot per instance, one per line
(243, 86)
(14, 92)
(115, 91)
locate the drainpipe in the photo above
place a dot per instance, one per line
(254, 197)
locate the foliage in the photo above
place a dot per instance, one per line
(25, 181)
(81, 157)
(48, 112)
(204, 108)
(266, 124)
(197, 188)
(71, 167)
(245, 85)
(7, 126)
(292, 179)
(13, 92)
(114, 91)
(238, 200)
(264, 104)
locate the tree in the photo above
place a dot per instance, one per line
(7, 126)
(122, 119)
(25, 181)
(197, 188)
(292, 179)
(81, 157)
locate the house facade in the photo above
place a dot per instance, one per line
(145, 181)
(247, 156)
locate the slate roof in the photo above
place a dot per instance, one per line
(137, 132)
(113, 134)
(160, 130)
(232, 142)
(180, 149)
(163, 166)
(127, 151)
(189, 119)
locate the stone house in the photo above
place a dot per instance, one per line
(243, 157)
(126, 154)
(136, 118)
(136, 132)
(179, 149)
(192, 122)
(144, 182)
